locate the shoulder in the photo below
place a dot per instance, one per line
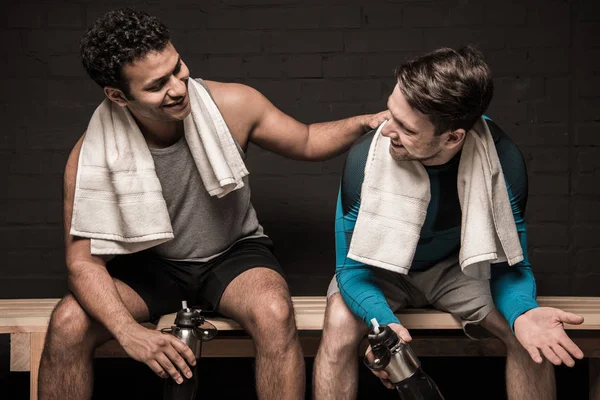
(511, 158)
(360, 150)
(233, 95)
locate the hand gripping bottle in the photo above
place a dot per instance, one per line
(391, 354)
(191, 328)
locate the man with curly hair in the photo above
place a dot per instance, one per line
(212, 251)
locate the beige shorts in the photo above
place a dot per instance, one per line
(442, 286)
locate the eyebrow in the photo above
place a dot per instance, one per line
(402, 124)
(162, 78)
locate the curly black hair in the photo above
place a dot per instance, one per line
(118, 38)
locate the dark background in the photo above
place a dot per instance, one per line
(317, 61)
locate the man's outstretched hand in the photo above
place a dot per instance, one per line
(541, 330)
(377, 119)
(403, 334)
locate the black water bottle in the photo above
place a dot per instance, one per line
(395, 357)
(191, 328)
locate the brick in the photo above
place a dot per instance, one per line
(508, 112)
(383, 16)
(303, 42)
(223, 67)
(341, 17)
(547, 61)
(587, 61)
(31, 237)
(21, 16)
(27, 187)
(334, 166)
(552, 284)
(261, 165)
(538, 37)
(225, 19)
(548, 235)
(586, 236)
(11, 41)
(47, 262)
(280, 92)
(68, 65)
(586, 184)
(587, 261)
(549, 261)
(588, 109)
(521, 88)
(548, 184)
(264, 66)
(488, 39)
(587, 86)
(384, 65)
(464, 13)
(585, 284)
(62, 41)
(587, 34)
(548, 160)
(585, 209)
(342, 66)
(66, 16)
(33, 286)
(587, 135)
(224, 42)
(547, 209)
(505, 62)
(36, 162)
(281, 18)
(358, 90)
(423, 16)
(588, 159)
(31, 212)
(549, 110)
(23, 65)
(554, 13)
(304, 66)
(588, 10)
(388, 40)
(541, 135)
(505, 13)
(245, 3)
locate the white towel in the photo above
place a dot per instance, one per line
(118, 198)
(394, 200)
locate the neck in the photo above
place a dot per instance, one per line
(160, 134)
(441, 158)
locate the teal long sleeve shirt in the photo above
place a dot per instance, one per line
(513, 287)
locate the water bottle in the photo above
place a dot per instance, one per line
(396, 357)
(191, 328)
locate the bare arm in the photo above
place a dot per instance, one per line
(95, 290)
(87, 275)
(252, 117)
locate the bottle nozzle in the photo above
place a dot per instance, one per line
(375, 325)
(184, 304)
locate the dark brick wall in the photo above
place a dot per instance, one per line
(316, 60)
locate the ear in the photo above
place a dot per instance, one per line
(116, 95)
(455, 138)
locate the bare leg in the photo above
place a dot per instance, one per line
(336, 365)
(525, 379)
(259, 300)
(66, 367)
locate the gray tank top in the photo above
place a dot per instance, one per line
(204, 226)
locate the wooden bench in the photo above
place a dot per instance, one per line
(26, 320)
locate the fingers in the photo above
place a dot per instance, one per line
(550, 355)
(179, 362)
(570, 318)
(401, 331)
(157, 369)
(169, 368)
(570, 346)
(184, 350)
(387, 383)
(535, 354)
(563, 355)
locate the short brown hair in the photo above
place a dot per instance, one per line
(452, 87)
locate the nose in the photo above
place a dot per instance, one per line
(178, 88)
(389, 131)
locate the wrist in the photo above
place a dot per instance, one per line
(126, 330)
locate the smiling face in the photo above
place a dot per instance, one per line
(411, 133)
(158, 90)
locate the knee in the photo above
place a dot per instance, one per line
(342, 330)
(273, 319)
(69, 325)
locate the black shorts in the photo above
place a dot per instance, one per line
(163, 284)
